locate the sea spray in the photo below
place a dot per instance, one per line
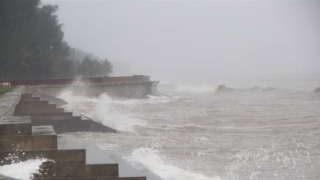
(76, 102)
(195, 89)
(235, 122)
(104, 114)
(22, 170)
(203, 88)
(151, 159)
(102, 110)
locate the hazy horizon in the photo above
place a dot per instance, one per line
(198, 41)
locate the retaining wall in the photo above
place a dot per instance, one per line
(9, 101)
(73, 160)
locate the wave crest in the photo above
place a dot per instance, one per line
(103, 113)
(152, 160)
(222, 87)
(259, 89)
(203, 88)
(102, 110)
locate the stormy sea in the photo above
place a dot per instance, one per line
(212, 132)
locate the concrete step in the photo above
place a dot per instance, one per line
(95, 155)
(38, 111)
(39, 107)
(26, 94)
(93, 126)
(55, 118)
(17, 113)
(76, 156)
(72, 125)
(94, 178)
(50, 169)
(3, 177)
(30, 98)
(15, 125)
(42, 138)
(33, 103)
(47, 97)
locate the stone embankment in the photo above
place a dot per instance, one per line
(29, 127)
(137, 86)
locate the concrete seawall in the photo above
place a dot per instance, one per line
(117, 90)
(31, 122)
(9, 101)
(137, 86)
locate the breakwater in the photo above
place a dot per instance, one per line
(136, 86)
(30, 128)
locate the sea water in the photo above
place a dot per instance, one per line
(211, 132)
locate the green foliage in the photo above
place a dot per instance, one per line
(79, 55)
(4, 90)
(32, 46)
(94, 68)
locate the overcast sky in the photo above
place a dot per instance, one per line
(179, 41)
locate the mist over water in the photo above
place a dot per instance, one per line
(212, 132)
(199, 42)
(243, 78)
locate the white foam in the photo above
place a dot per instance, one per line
(78, 104)
(22, 170)
(203, 88)
(101, 109)
(151, 159)
(104, 114)
(151, 100)
(195, 89)
(160, 99)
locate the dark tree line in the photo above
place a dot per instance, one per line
(32, 46)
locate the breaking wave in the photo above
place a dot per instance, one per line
(152, 160)
(221, 88)
(102, 110)
(203, 88)
(22, 170)
(261, 89)
(104, 114)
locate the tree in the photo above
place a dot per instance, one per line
(31, 40)
(94, 68)
(32, 46)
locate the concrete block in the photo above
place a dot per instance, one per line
(30, 99)
(95, 155)
(42, 138)
(15, 125)
(33, 103)
(38, 111)
(26, 94)
(17, 113)
(55, 118)
(77, 156)
(50, 169)
(3, 177)
(43, 130)
(72, 125)
(93, 126)
(95, 178)
(39, 107)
